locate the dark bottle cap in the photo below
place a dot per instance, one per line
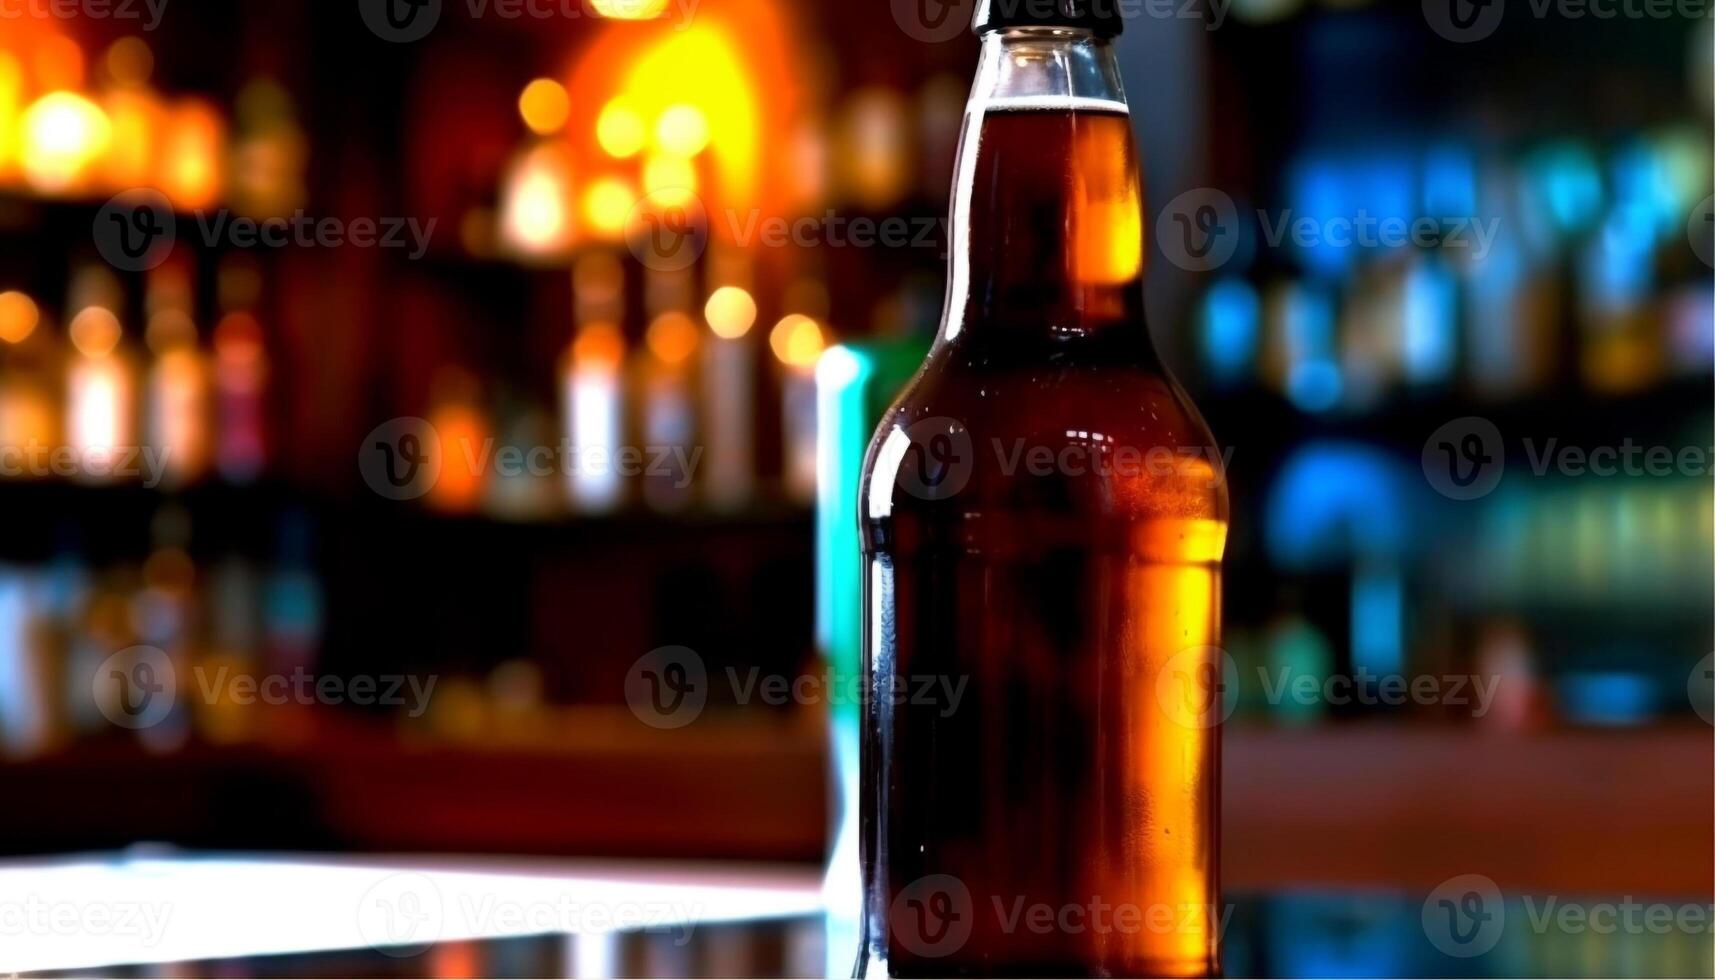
(1100, 16)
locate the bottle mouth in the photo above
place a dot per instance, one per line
(1099, 17)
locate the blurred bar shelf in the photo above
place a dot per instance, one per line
(1585, 810)
(112, 520)
(1359, 805)
(731, 791)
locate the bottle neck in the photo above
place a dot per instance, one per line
(1047, 229)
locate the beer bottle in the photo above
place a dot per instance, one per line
(1043, 517)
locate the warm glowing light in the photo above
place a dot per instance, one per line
(129, 61)
(797, 341)
(135, 116)
(11, 107)
(703, 67)
(193, 154)
(27, 414)
(535, 217)
(669, 180)
(872, 153)
(683, 131)
(98, 392)
(462, 430)
(63, 134)
(619, 129)
(607, 204)
(18, 316)
(630, 9)
(672, 338)
(599, 347)
(545, 105)
(731, 312)
(56, 61)
(95, 331)
(1107, 214)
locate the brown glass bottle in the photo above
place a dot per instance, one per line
(1043, 517)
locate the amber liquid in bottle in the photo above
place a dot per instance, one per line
(1043, 518)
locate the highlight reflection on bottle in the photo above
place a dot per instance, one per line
(1044, 517)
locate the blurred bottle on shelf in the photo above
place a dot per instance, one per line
(729, 383)
(100, 376)
(292, 608)
(798, 341)
(593, 399)
(240, 374)
(669, 411)
(30, 379)
(177, 410)
(466, 450)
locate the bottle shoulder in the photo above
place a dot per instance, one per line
(1103, 436)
